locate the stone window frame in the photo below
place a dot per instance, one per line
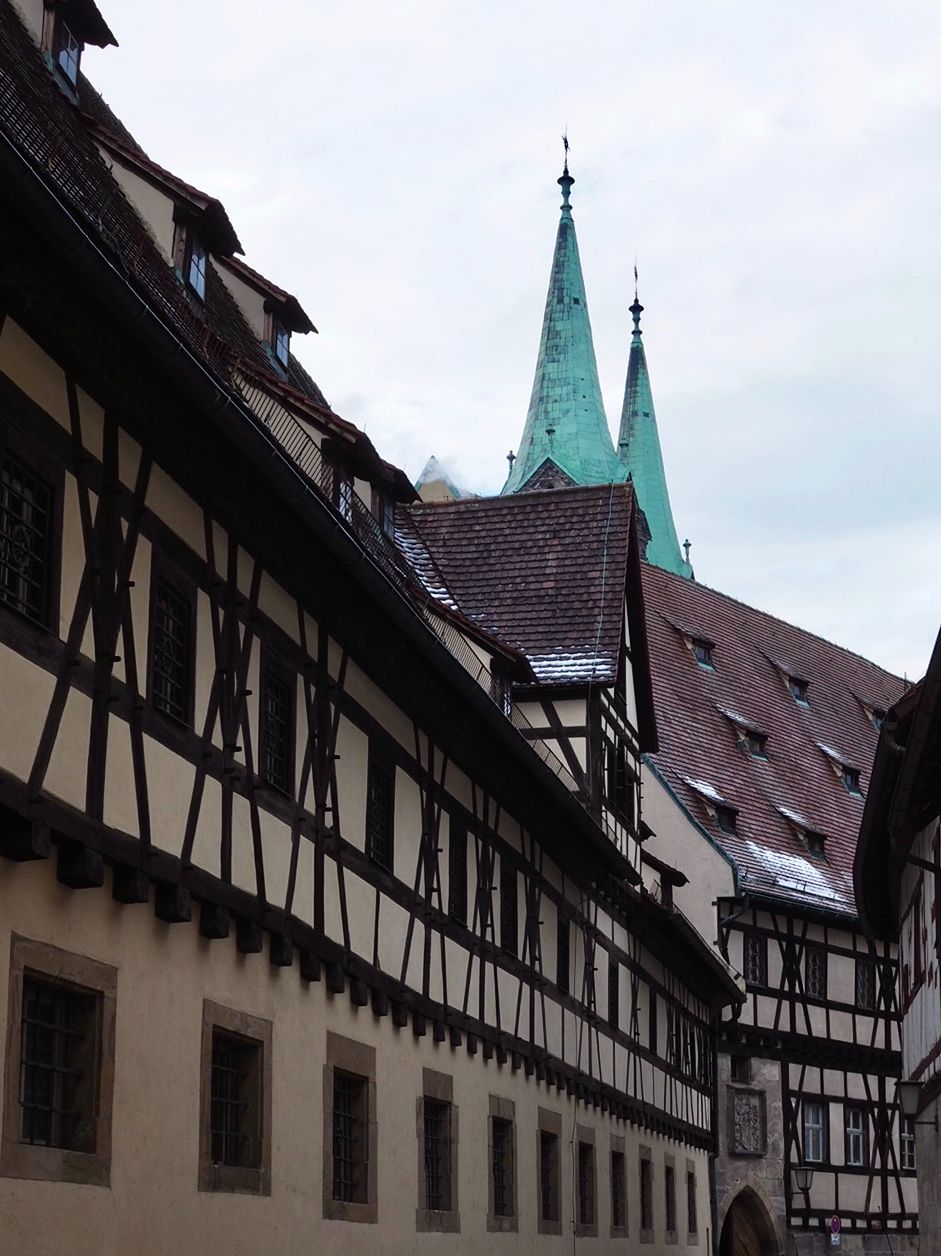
(234, 1179)
(618, 1146)
(58, 1164)
(504, 1110)
(585, 1136)
(736, 1091)
(359, 1059)
(548, 1122)
(692, 1235)
(670, 1235)
(439, 1086)
(645, 1234)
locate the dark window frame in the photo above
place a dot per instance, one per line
(669, 1198)
(618, 1195)
(53, 966)
(345, 1056)
(502, 1195)
(692, 1205)
(865, 983)
(646, 1178)
(254, 1032)
(586, 1183)
(457, 870)
(274, 668)
(563, 953)
(37, 461)
(614, 992)
(549, 1172)
(437, 1097)
(383, 856)
(816, 971)
(752, 939)
(181, 586)
(509, 909)
(704, 653)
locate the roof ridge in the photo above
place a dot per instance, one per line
(529, 497)
(806, 632)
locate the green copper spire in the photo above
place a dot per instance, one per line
(566, 428)
(639, 451)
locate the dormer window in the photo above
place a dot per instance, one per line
(725, 818)
(851, 781)
(754, 743)
(196, 266)
(815, 844)
(281, 342)
(68, 52)
(702, 653)
(798, 688)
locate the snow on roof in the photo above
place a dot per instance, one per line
(704, 788)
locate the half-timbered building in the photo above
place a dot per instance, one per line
(323, 914)
(898, 865)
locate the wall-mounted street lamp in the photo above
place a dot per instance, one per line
(909, 1097)
(803, 1179)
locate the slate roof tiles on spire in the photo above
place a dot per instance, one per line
(566, 426)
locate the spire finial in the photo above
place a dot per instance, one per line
(636, 309)
(566, 181)
(511, 458)
(687, 546)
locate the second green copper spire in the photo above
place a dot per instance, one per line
(566, 439)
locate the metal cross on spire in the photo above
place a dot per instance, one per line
(566, 146)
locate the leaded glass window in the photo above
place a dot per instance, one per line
(25, 540)
(171, 662)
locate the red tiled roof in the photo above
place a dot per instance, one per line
(545, 572)
(753, 655)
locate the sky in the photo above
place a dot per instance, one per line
(773, 169)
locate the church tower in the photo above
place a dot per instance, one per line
(566, 439)
(639, 451)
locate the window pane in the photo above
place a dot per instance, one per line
(277, 724)
(501, 1166)
(349, 1144)
(171, 652)
(58, 1066)
(25, 534)
(437, 1149)
(235, 1101)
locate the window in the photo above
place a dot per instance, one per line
(614, 992)
(816, 844)
(457, 872)
(815, 1132)
(618, 1190)
(756, 959)
(857, 1136)
(235, 1099)
(621, 784)
(725, 818)
(669, 1193)
(196, 266)
(343, 495)
(851, 781)
(652, 1033)
(646, 1192)
(754, 743)
(437, 1157)
(380, 812)
(877, 715)
(740, 1069)
(549, 1217)
(815, 972)
(349, 1137)
(798, 689)
(281, 342)
(171, 651)
(692, 1223)
(865, 983)
(59, 1066)
(25, 540)
(277, 729)
(702, 653)
(501, 690)
(350, 1131)
(907, 1137)
(586, 1185)
(502, 1193)
(68, 52)
(509, 910)
(562, 952)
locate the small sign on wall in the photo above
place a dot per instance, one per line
(836, 1225)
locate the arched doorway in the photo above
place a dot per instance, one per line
(748, 1229)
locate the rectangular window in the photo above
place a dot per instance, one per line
(691, 1215)
(509, 910)
(652, 1030)
(669, 1197)
(646, 1194)
(59, 1062)
(25, 540)
(171, 651)
(235, 1102)
(59, 1071)
(196, 267)
(586, 1184)
(621, 784)
(857, 1136)
(614, 992)
(907, 1137)
(815, 1132)
(282, 343)
(68, 52)
(740, 1069)
(618, 1191)
(562, 953)
(235, 1111)
(349, 1137)
(756, 959)
(501, 1165)
(343, 495)
(277, 730)
(380, 812)
(437, 1154)
(457, 872)
(815, 972)
(866, 984)
(548, 1176)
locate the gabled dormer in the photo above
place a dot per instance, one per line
(67, 26)
(273, 314)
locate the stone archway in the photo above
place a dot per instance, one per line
(748, 1229)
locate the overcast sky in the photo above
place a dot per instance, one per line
(774, 168)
